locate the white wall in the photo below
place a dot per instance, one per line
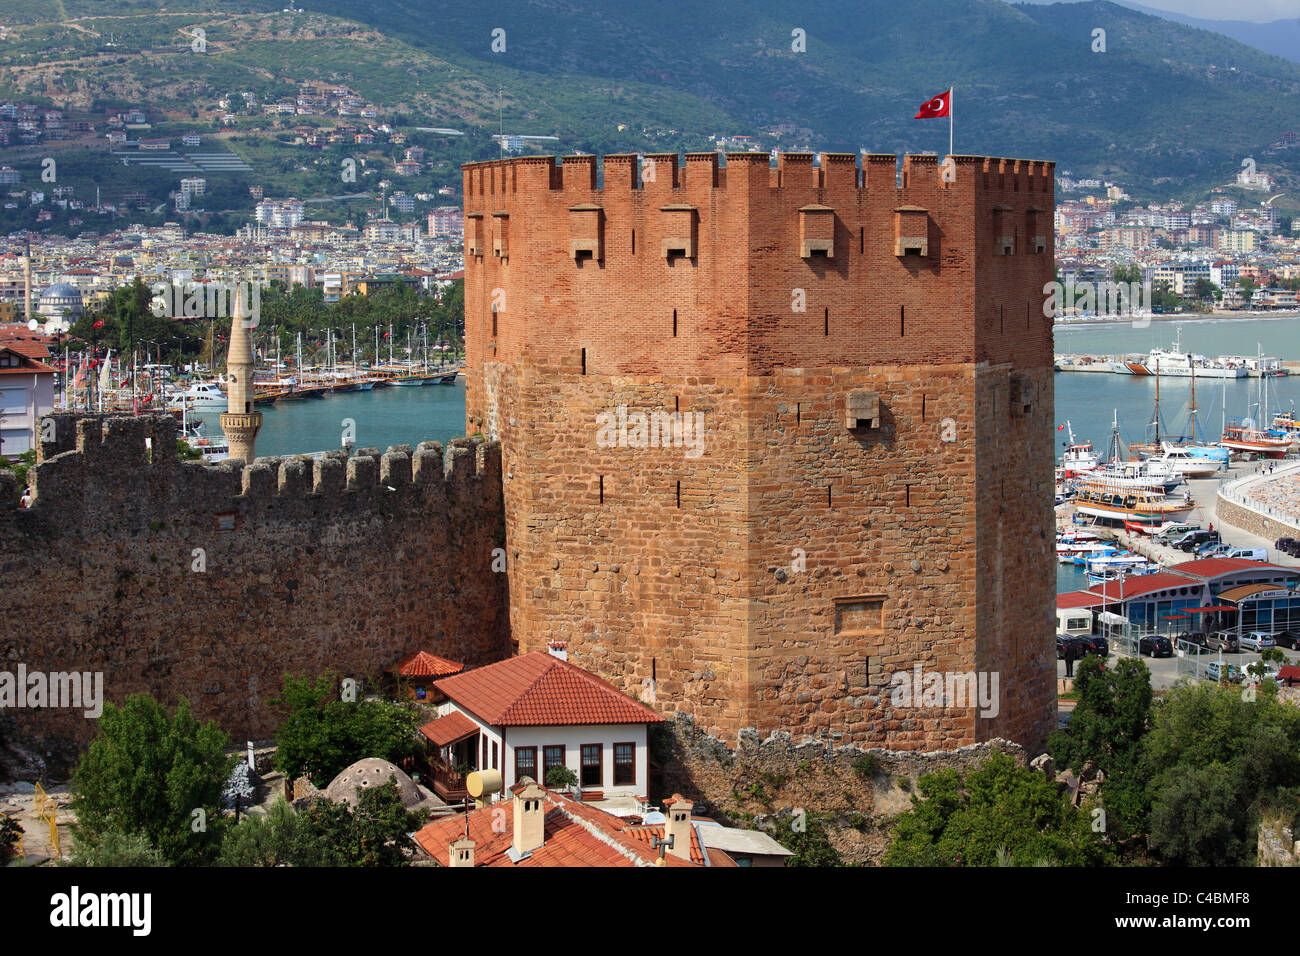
(572, 738)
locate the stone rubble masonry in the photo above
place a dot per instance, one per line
(780, 578)
(335, 565)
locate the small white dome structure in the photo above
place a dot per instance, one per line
(371, 772)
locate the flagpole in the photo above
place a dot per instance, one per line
(952, 95)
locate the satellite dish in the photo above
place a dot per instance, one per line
(33, 325)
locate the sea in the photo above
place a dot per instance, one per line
(1088, 402)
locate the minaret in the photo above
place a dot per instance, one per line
(240, 422)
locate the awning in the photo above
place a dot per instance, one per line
(450, 729)
(1170, 617)
(1106, 617)
(1210, 610)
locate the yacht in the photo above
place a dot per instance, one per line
(1185, 460)
(201, 396)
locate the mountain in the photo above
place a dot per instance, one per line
(1278, 37)
(1166, 107)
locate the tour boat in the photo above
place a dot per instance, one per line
(1244, 438)
(1140, 474)
(1103, 499)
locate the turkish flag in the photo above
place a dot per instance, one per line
(938, 106)
(97, 324)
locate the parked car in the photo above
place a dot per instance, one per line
(1220, 672)
(1195, 640)
(1222, 641)
(1094, 644)
(1213, 549)
(1288, 639)
(1156, 645)
(1194, 539)
(1250, 554)
(1285, 544)
(1174, 532)
(1082, 646)
(1257, 641)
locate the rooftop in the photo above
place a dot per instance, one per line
(539, 689)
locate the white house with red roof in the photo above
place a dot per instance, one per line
(524, 715)
(26, 388)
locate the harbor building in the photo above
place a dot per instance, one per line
(774, 435)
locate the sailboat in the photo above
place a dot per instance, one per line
(1189, 452)
(1245, 437)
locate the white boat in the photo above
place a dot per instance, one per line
(1079, 455)
(1179, 364)
(201, 396)
(1186, 461)
(1125, 559)
(1157, 477)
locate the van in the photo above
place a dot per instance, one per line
(1250, 554)
(1173, 532)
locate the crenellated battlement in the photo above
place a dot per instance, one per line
(658, 173)
(120, 457)
(213, 580)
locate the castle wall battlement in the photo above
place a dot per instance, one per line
(579, 176)
(213, 581)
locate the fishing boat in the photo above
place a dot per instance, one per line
(1103, 499)
(1079, 456)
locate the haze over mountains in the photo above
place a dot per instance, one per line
(1166, 104)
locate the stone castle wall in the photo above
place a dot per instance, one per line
(778, 579)
(213, 581)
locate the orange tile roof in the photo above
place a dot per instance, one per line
(539, 689)
(575, 834)
(424, 664)
(449, 729)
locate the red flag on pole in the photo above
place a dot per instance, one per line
(938, 106)
(97, 324)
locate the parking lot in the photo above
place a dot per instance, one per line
(1166, 671)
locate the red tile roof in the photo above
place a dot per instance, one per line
(539, 689)
(1073, 599)
(424, 664)
(575, 835)
(1144, 584)
(1213, 567)
(447, 730)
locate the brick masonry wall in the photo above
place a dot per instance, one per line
(778, 579)
(337, 565)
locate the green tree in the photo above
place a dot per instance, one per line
(1107, 729)
(808, 841)
(149, 773)
(1247, 286)
(321, 735)
(958, 821)
(326, 833)
(1216, 760)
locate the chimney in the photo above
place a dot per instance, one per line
(529, 819)
(558, 649)
(679, 826)
(461, 853)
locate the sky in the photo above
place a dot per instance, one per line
(1260, 11)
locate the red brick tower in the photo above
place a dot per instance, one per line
(871, 488)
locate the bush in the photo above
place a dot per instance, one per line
(558, 778)
(867, 766)
(10, 831)
(117, 850)
(996, 814)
